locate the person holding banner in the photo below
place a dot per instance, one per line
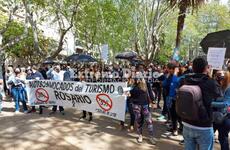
(82, 78)
(17, 90)
(58, 75)
(34, 74)
(141, 101)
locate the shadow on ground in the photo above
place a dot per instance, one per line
(57, 132)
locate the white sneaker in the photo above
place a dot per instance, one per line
(140, 139)
(153, 141)
(17, 112)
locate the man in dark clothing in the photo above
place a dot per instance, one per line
(35, 75)
(200, 132)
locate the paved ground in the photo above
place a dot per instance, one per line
(57, 132)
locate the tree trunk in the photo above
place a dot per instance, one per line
(29, 15)
(60, 44)
(180, 22)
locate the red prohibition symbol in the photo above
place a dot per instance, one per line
(42, 95)
(104, 101)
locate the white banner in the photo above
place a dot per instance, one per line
(104, 98)
(216, 57)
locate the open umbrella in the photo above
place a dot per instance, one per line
(217, 39)
(126, 55)
(72, 58)
(50, 61)
(136, 62)
(80, 58)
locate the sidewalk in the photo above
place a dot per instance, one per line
(57, 132)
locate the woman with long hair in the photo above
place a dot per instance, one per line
(224, 126)
(141, 101)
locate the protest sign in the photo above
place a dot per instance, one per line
(105, 52)
(104, 98)
(216, 57)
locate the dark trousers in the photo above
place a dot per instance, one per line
(158, 92)
(131, 112)
(40, 108)
(61, 108)
(223, 130)
(84, 114)
(165, 109)
(174, 117)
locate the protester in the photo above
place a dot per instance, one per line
(9, 74)
(197, 119)
(58, 75)
(84, 113)
(34, 74)
(130, 107)
(141, 103)
(223, 127)
(17, 90)
(173, 83)
(1, 94)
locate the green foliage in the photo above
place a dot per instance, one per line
(24, 50)
(120, 24)
(210, 17)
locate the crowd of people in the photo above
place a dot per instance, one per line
(188, 92)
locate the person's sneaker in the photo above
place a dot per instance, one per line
(170, 130)
(167, 122)
(52, 112)
(140, 139)
(169, 126)
(16, 112)
(161, 118)
(40, 112)
(175, 133)
(62, 112)
(181, 142)
(32, 111)
(26, 112)
(153, 141)
(82, 118)
(90, 118)
(131, 129)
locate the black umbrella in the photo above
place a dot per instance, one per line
(80, 58)
(136, 62)
(217, 39)
(72, 58)
(126, 55)
(49, 60)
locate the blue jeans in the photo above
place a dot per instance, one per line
(193, 138)
(18, 95)
(223, 130)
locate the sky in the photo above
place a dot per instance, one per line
(224, 1)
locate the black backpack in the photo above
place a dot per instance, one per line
(189, 103)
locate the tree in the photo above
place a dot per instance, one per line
(150, 19)
(210, 18)
(10, 8)
(24, 50)
(63, 12)
(183, 8)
